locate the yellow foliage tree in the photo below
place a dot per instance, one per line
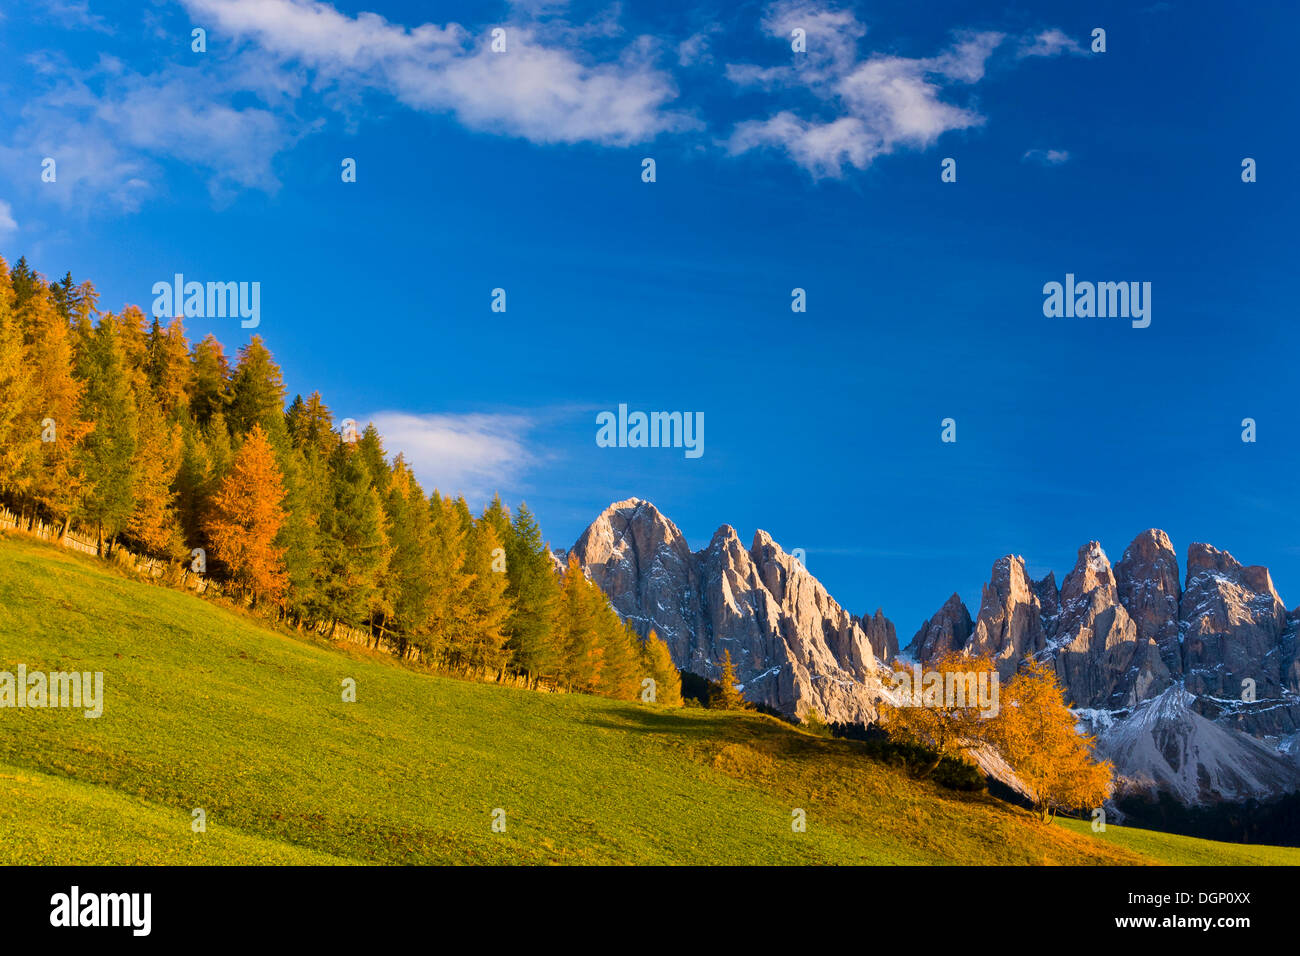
(1036, 734)
(944, 713)
(658, 661)
(728, 696)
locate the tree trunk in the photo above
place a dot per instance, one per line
(934, 765)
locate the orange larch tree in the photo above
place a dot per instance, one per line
(1036, 734)
(245, 516)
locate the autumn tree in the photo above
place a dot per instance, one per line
(209, 380)
(944, 714)
(577, 637)
(622, 646)
(55, 412)
(311, 426)
(728, 696)
(1036, 733)
(479, 637)
(154, 522)
(245, 518)
(168, 367)
(17, 383)
(170, 447)
(657, 661)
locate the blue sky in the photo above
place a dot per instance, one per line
(775, 170)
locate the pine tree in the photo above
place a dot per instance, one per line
(311, 426)
(257, 393)
(447, 548)
(25, 283)
(370, 449)
(306, 490)
(246, 517)
(535, 593)
(485, 607)
(56, 410)
(728, 696)
(195, 483)
(210, 381)
(170, 372)
(132, 331)
(658, 664)
(106, 458)
(620, 647)
(18, 439)
(354, 546)
(154, 522)
(409, 580)
(497, 515)
(63, 295)
(578, 634)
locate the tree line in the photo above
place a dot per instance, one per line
(118, 425)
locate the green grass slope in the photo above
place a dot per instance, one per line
(207, 708)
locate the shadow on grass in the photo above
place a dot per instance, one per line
(778, 739)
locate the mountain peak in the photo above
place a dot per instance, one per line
(793, 646)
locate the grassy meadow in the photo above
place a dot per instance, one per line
(207, 708)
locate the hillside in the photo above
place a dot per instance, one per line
(207, 708)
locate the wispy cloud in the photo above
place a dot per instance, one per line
(540, 91)
(694, 50)
(1046, 157)
(474, 455)
(108, 128)
(277, 71)
(1051, 42)
(7, 222)
(75, 14)
(860, 107)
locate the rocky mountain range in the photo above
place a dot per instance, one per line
(793, 647)
(1192, 687)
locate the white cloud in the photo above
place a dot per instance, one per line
(694, 50)
(883, 102)
(1048, 157)
(75, 14)
(7, 222)
(543, 92)
(276, 68)
(229, 114)
(107, 128)
(1051, 42)
(821, 148)
(474, 455)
